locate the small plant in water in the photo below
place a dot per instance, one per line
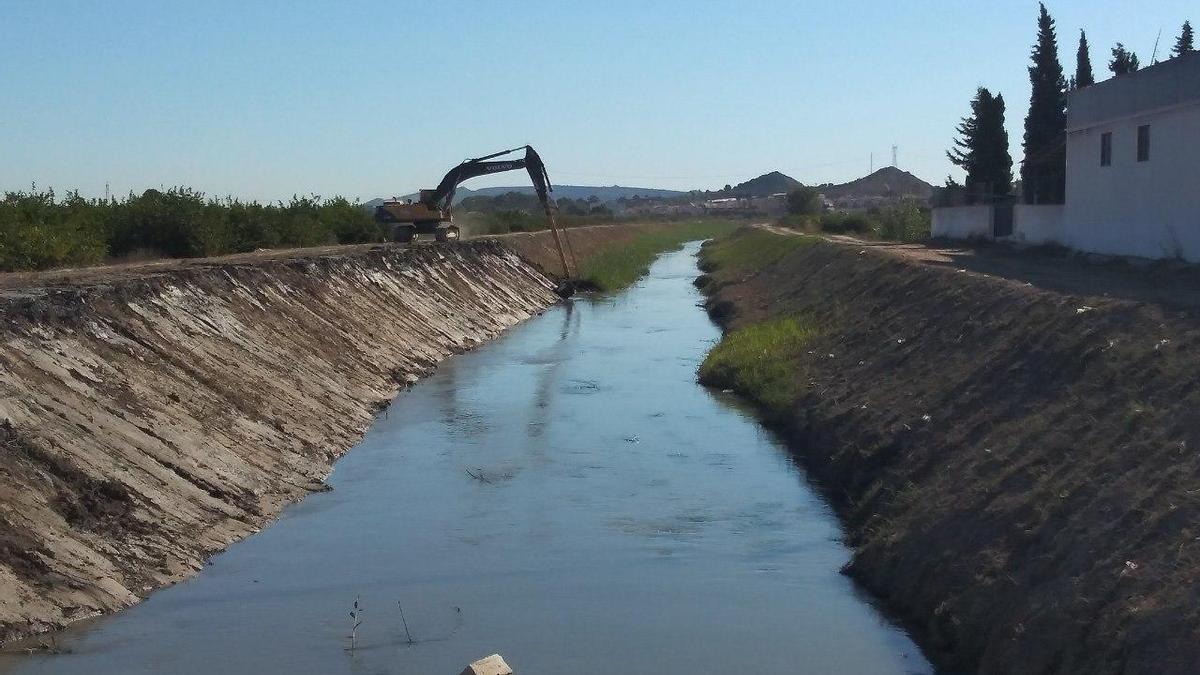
(403, 621)
(355, 622)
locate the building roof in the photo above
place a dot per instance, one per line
(1172, 83)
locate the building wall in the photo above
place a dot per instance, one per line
(1148, 209)
(962, 222)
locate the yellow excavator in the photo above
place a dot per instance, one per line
(432, 214)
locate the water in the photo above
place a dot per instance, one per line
(567, 496)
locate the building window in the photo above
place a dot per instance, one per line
(1144, 143)
(1106, 149)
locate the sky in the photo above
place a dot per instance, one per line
(270, 98)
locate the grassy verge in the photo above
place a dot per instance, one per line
(750, 249)
(621, 266)
(761, 362)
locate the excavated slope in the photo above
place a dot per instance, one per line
(1017, 467)
(147, 421)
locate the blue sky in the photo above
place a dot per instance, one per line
(267, 98)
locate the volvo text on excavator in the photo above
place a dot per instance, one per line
(432, 213)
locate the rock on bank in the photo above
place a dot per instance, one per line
(149, 420)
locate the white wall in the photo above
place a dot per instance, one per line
(962, 222)
(1038, 224)
(1147, 209)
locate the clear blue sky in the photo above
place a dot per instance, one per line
(264, 99)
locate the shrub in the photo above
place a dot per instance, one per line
(38, 231)
(840, 223)
(803, 200)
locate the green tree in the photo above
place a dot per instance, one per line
(982, 149)
(1083, 64)
(803, 201)
(1123, 61)
(1043, 173)
(1183, 44)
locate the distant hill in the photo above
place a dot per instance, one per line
(765, 185)
(888, 182)
(606, 194)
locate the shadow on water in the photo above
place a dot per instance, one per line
(567, 496)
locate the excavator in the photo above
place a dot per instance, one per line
(432, 213)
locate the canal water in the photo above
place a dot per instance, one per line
(567, 496)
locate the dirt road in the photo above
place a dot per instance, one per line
(1165, 283)
(536, 245)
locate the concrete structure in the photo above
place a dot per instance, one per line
(1038, 224)
(1133, 167)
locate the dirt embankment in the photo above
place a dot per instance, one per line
(1018, 468)
(149, 420)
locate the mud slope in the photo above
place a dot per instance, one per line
(1019, 469)
(148, 420)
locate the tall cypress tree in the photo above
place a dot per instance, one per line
(1043, 173)
(982, 149)
(1183, 44)
(1123, 61)
(1083, 64)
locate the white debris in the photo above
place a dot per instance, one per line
(491, 665)
(1084, 309)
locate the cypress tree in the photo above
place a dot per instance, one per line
(1083, 64)
(1183, 44)
(1123, 61)
(1043, 173)
(982, 149)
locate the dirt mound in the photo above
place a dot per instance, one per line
(1017, 467)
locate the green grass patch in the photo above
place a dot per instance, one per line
(761, 362)
(622, 265)
(751, 249)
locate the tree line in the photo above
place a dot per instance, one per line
(981, 148)
(40, 230)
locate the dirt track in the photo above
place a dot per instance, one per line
(1165, 283)
(537, 247)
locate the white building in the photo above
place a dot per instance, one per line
(1133, 172)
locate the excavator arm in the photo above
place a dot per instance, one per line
(442, 197)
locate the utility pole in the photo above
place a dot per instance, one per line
(895, 150)
(872, 164)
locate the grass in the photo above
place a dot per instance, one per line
(761, 361)
(625, 264)
(751, 249)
